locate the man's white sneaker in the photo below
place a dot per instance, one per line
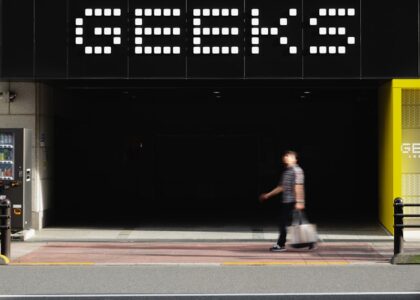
(277, 248)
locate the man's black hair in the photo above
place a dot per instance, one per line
(291, 152)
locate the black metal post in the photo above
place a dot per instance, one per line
(398, 222)
(5, 225)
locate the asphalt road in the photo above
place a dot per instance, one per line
(196, 279)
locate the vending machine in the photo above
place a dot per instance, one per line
(16, 174)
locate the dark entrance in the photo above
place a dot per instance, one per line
(201, 156)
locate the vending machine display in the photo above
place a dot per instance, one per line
(6, 156)
(15, 174)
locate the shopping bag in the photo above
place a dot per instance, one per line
(302, 233)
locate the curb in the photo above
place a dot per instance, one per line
(406, 259)
(4, 260)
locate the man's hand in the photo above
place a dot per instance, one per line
(300, 205)
(263, 197)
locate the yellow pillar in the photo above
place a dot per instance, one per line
(390, 141)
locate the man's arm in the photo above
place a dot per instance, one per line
(277, 190)
(300, 196)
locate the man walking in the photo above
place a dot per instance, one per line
(292, 186)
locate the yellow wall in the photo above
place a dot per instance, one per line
(390, 139)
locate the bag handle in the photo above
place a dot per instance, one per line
(299, 217)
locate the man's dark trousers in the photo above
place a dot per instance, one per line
(286, 216)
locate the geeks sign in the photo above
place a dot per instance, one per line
(201, 38)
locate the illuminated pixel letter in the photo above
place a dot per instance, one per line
(333, 31)
(142, 32)
(199, 31)
(257, 31)
(113, 32)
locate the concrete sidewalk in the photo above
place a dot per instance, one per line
(214, 246)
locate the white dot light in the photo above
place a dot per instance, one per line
(234, 50)
(255, 41)
(79, 41)
(138, 50)
(157, 50)
(196, 41)
(341, 30)
(341, 50)
(197, 31)
(206, 12)
(225, 31)
(176, 50)
(117, 40)
(215, 30)
(147, 13)
(138, 40)
(98, 31)
(148, 50)
(138, 12)
(332, 12)
(196, 12)
(215, 12)
(255, 12)
(206, 50)
(293, 12)
(283, 40)
(98, 50)
(139, 31)
(255, 22)
(88, 50)
(139, 22)
(235, 31)
(157, 31)
(117, 30)
(107, 50)
(332, 49)
(166, 50)
(206, 31)
(313, 21)
(322, 12)
(197, 50)
(225, 50)
(157, 12)
(79, 22)
(313, 50)
(323, 50)
(255, 50)
(225, 12)
(107, 13)
(322, 30)
(332, 31)
(197, 22)
(117, 12)
(341, 11)
(166, 31)
(88, 12)
(234, 12)
(148, 31)
(283, 21)
(351, 40)
(274, 31)
(351, 12)
(255, 31)
(264, 31)
(79, 31)
(176, 12)
(293, 50)
(215, 50)
(167, 12)
(176, 31)
(107, 31)
(98, 13)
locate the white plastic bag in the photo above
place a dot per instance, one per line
(303, 234)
